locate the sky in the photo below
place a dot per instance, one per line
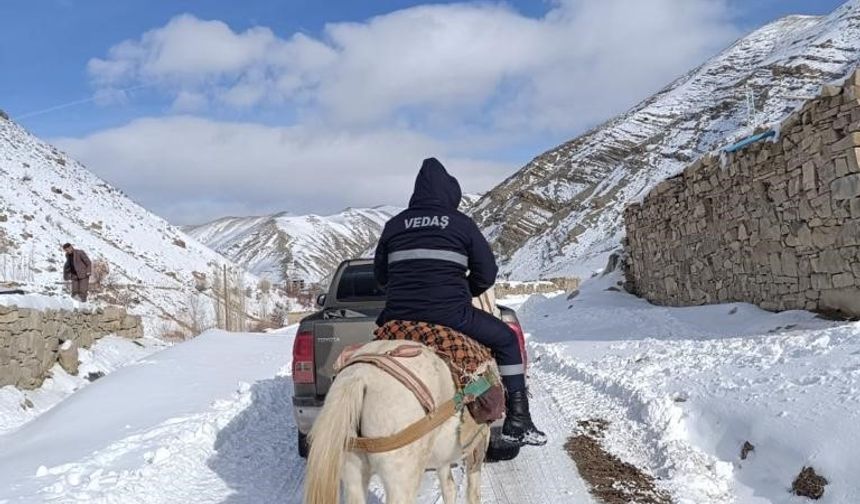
(203, 108)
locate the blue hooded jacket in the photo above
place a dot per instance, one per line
(431, 258)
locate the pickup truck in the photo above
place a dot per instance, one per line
(347, 317)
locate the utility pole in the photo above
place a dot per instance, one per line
(226, 300)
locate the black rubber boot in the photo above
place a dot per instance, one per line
(519, 428)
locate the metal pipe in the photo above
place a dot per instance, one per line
(749, 140)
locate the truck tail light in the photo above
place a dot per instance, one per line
(521, 339)
(303, 358)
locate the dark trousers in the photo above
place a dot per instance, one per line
(501, 339)
(80, 287)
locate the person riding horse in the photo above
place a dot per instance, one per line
(432, 260)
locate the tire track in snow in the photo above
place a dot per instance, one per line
(243, 451)
(537, 475)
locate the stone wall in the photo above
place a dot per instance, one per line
(776, 223)
(32, 341)
(504, 288)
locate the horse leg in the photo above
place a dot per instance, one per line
(402, 492)
(447, 484)
(473, 485)
(402, 478)
(474, 461)
(356, 478)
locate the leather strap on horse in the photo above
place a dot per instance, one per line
(411, 433)
(388, 362)
(420, 428)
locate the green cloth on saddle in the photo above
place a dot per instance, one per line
(466, 358)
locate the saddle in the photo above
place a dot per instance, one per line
(467, 359)
(393, 362)
(464, 356)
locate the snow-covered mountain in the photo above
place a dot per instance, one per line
(561, 213)
(47, 199)
(285, 246)
(307, 247)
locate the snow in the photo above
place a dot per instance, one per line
(108, 354)
(514, 301)
(560, 215)
(307, 247)
(684, 389)
(210, 420)
(42, 302)
(304, 247)
(48, 199)
(172, 422)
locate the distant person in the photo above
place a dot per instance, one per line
(77, 270)
(433, 260)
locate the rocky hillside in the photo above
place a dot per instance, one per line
(561, 213)
(47, 199)
(285, 246)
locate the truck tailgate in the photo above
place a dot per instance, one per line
(331, 337)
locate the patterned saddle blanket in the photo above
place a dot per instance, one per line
(466, 358)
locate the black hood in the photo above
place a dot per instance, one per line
(435, 188)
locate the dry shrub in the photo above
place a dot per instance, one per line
(278, 318)
(809, 484)
(746, 449)
(16, 269)
(99, 273)
(113, 291)
(169, 330)
(264, 286)
(198, 317)
(201, 283)
(263, 325)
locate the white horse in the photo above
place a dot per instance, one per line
(366, 401)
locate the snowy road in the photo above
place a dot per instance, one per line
(536, 475)
(679, 389)
(210, 421)
(539, 475)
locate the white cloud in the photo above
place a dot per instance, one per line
(185, 50)
(190, 169)
(368, 100)
(581, 61)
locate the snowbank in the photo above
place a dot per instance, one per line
(178, 421)
(43, 302)
(685, 388)
(108, 354)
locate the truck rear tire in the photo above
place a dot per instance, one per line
(302, 444)
(498, 450)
